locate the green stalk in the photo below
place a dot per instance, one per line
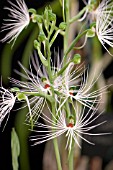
(66, 41)
(71, 161)
(56, 29)
(74, 43)
(55, 142)
(67, 108)
(54, 37)
(66, 5)
(57, 154)
(40, 93)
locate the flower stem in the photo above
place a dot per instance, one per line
(71, 158)
(55, 142)
(74, 42)
(67, 27)
(57, 154)
(66, 41)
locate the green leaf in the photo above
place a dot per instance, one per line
(15, 148)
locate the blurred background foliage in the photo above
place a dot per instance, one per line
(31, 157)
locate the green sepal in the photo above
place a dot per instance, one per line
(21, 96)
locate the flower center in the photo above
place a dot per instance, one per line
(46, 86)
(71, 93)
(70, 125)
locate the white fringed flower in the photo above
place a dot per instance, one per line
(103, 16)
(33, 84)
(7, 101)
(83, 92)
(37, 83)
(72, 128)
(17, 21)
(104, 23)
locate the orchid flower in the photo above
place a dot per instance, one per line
(36, 83)
(18, 20)
(82, 92)
(33, 84)
(72, 128)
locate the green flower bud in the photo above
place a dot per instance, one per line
(41, 37)
(91, 32)
(62, 25)
(39, 19)
(51, 16)
(76, 59)
(36, 44)
(36, 18)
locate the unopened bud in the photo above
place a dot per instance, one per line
(77, 59)
(91, 32)
(62, 25)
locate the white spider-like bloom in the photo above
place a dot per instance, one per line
(73, 128)
(18, 20)
(37, 82)
(82, 92)
(103, 16)
(33, 84)
(104, 23)
(7, 101)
